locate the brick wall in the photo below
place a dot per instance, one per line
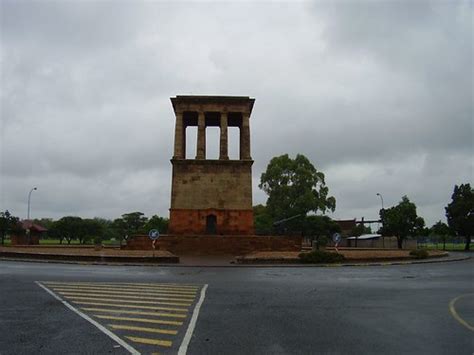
(216, 245)
(190, 222)
(23, 240)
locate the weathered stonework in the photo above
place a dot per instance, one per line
(215, 244)
(211, 196)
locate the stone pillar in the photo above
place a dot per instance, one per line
(201, 138)
(245, 137)
(224, 150)
(179, 137)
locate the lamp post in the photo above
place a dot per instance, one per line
(381, 199)
(29, 200)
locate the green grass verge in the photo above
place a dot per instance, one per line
(439, 246)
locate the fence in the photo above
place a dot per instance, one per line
(450, 243)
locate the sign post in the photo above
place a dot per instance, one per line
(154, 235)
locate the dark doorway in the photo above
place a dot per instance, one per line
(211, 224)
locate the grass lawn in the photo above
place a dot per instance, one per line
(439, 246)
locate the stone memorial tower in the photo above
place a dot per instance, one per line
(211, 197)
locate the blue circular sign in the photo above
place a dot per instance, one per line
(336, 238)
(154, 234)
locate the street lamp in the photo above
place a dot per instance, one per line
(381, 198)
(29, 199)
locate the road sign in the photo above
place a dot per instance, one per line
(154, 234)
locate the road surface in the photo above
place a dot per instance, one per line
(47, 308)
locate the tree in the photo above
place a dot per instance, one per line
(69, 228)
(129, 224)
(91, 229)
(134, 222)
(401, 221)
(119, 229)
(320, 228)
(107, 227)
(460, 212)
(158, 223)
(294, 187)
(8, 223)
(360, 229)
(263, 222)
(442, 231)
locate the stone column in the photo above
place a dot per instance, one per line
(224, 150)
(179, 137)
(245, 137)
(201, 138)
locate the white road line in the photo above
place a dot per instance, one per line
(86, 317)
(192, 323)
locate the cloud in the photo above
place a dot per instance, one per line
(377, 94)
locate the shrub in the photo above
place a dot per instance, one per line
(319, 256)
(419, 253)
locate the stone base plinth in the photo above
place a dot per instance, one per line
(216, 244)
(194, 221)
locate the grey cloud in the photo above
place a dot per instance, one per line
(377, 94)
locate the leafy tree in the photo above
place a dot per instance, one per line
(460, 212)
(69, 228)
(91, 229)
(263, 222)
(401, 221)
(134, 222)
(107, 226)
(360, 229)
(119, 229)
(158, 223)
(8, 223)
(442, 231)
(130, 224)
(320, 228)
(295, 187)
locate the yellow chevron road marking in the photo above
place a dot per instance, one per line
(122, 292)
(143, 329)
(147, 341)
(156, 314)
(129, 301)
(133, 306)
(126, 284)
(176, 299)
(125, 289)
(143, 320)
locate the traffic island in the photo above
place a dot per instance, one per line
(352, 256)
(89, 254)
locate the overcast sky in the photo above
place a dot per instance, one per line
(378, 95)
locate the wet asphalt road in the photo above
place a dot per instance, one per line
(401, 309)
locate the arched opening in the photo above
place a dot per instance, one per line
(211, 224)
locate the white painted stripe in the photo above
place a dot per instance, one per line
(104, 330)
(192, 323)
